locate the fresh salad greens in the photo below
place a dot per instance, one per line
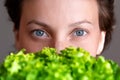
(47, 64)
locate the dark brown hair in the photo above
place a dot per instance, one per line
(106, 15)
(106, 18)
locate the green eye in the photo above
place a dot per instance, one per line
(80, 33)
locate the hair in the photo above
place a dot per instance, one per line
(106, 18)
(106, 15)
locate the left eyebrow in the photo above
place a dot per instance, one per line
(80, 22)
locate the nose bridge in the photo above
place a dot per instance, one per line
(60, 39)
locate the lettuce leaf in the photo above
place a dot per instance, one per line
(47, 64)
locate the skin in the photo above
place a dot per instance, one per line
(60, 24)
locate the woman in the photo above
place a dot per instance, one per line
(62, 23)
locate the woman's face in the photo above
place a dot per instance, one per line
(60, 24)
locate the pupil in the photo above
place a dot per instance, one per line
(39, 33)
(79, 33)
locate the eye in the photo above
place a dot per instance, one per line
(80, 33)
(40, 33)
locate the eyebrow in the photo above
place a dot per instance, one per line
(38, 23)
(81, 22)
(46, 25)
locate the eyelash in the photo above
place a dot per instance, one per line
(39, 33)
(43, 34)
(80, 34)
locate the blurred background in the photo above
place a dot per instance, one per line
(7, 37)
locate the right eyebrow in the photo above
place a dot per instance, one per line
(38, 23)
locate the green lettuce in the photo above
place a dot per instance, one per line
(47, 64)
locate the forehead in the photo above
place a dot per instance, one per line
(61, 9)
(61, 4)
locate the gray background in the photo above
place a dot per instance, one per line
(7, 37)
